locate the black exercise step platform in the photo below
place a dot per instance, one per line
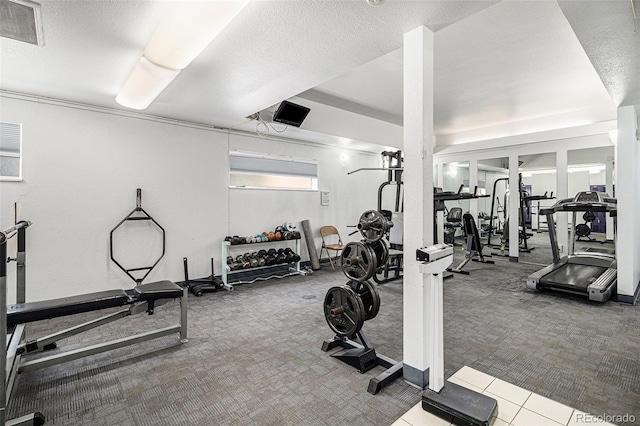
(22, 313)
(460, 405)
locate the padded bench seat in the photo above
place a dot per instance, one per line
(158, 290)
(35, 311)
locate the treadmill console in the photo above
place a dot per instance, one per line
(587, 197)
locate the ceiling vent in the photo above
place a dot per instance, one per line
(20, 20)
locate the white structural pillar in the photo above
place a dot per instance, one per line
(440, 214)
(473, 182)
(418, 199)
(562, 189)
(627, 190)
(609, 188)
(514, 204)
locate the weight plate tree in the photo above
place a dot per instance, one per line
(359, 263)
(344, 311)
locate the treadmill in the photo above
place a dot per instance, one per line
(590, 272)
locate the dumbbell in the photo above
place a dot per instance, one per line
(292, 257)
(278, 236)
(271, 257)
(253, 260)
(281, 257)
(296, 235)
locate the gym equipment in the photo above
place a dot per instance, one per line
(373, 225)
(392, 269)
(439, 199)
(249, 263)
(473, 246)
(289, 226)
(137, 214)
(311, 244)
(591, 272)
(344, 311)
(583, 230)
(525, 202)
(202, 285)
(142, 298)
(358, 261)
(346, 308)
(453, 223)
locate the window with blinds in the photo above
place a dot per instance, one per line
(10, 151)
(248, 170)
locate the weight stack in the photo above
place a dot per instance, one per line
(311, 244)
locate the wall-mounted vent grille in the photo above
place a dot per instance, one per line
(20, 20)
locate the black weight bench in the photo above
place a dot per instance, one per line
(142, 298)
(473, 247)
(23, 313)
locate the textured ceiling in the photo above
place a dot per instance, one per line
(496, 62)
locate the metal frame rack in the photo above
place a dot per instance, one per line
(226, 245)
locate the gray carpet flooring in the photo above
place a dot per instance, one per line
(254, 355)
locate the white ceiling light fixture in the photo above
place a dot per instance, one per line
(184, 32)
(375, 2)
(146, 81)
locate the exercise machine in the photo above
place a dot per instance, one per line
(473, 246)
(591, 272)
(525, 200)
(143, 298)
(392, 267)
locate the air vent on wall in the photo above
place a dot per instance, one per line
(20, 20)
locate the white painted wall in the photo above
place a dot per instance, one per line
(81, 170)
(252, 211)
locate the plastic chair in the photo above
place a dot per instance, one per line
(328, 231)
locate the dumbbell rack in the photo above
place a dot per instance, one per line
(226, 245)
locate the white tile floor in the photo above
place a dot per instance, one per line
(516, 406)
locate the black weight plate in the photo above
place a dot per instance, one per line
(582, 230)
(369, 295)
(373, 225)
(344, 311)
(358, 261)
(381, 249)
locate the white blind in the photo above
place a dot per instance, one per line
(272, 166)
(10, 137)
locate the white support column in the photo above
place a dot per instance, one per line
(440, 215)
(627, 178)
(473, 182)
(562, 188)
(609, 188)
(514, 203)
(418, 190)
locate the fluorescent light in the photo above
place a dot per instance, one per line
(146, 81)
(188, 27)
(184, 32)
